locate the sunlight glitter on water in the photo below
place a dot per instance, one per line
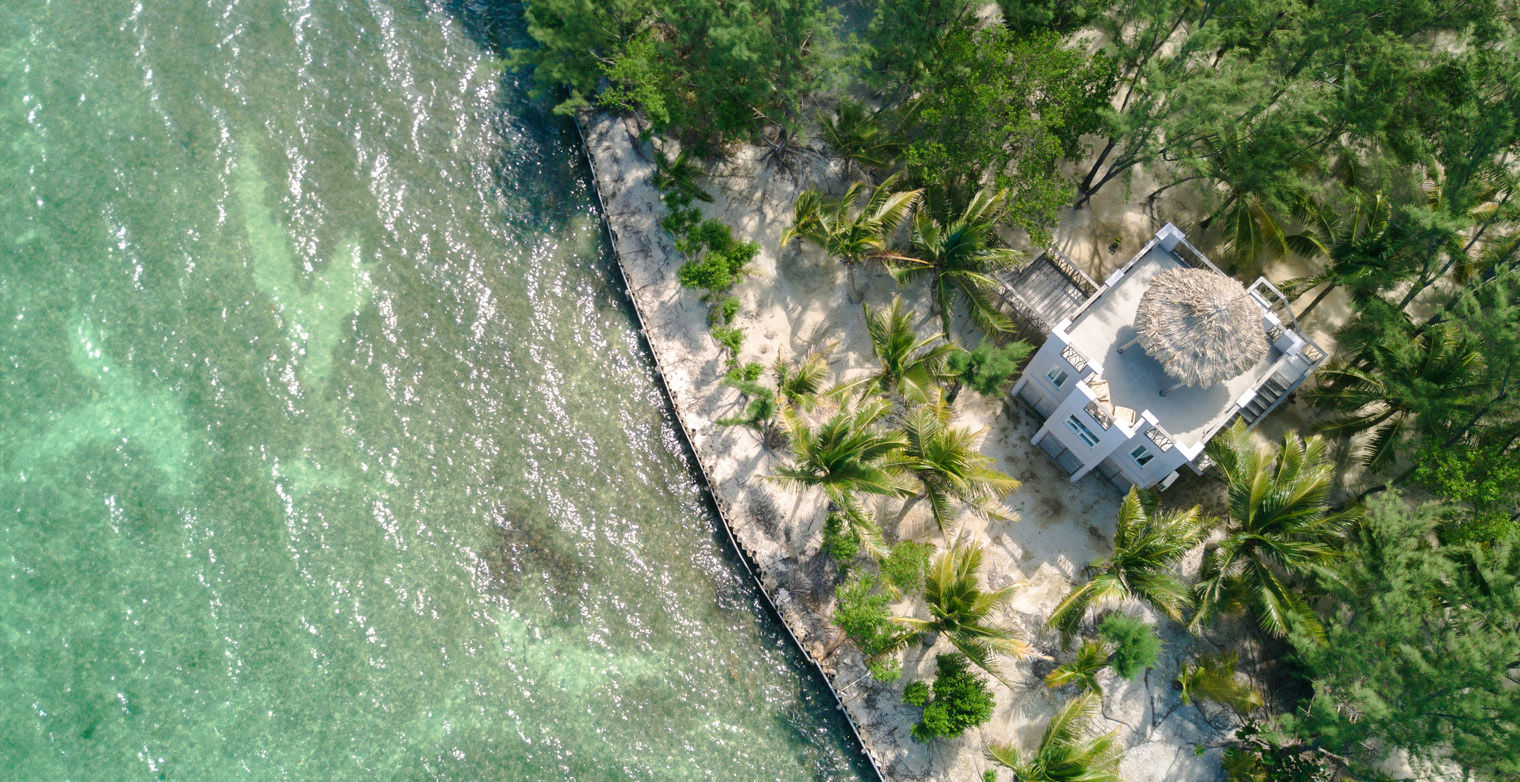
(328, 449)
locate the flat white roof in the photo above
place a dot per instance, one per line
(1135, 380)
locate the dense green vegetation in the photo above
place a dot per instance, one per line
(1365, 153)
(1445, 621)
(960, 700)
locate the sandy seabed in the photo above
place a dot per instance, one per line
(796, 301)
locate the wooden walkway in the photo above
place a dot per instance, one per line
(1046, 291)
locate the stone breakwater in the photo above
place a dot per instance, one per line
(760, 520)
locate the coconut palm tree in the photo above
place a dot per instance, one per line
(1063, 755)
(910, 367)
(962, 612)
(961, 259)
(853, 238)
(679, 176)
(1279, 528)
(1350, 246)
(1083, 670)
(1147, 543)
(802, 385)
(1212, 677)
(1390, 379)
(951, 470)
(858, 137)
(845, 457)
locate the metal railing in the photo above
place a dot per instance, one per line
(1074, 357)
(1069, 270)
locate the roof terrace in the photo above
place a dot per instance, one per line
(1135, 379)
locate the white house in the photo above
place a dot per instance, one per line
(1115, 399)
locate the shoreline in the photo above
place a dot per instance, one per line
(746, 557)
(797, 301)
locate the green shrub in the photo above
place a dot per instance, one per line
(727, 309)
(1135, 644)
(885, 669)
(711, 273)
(989, 776)
(762, 401)
(989, 368)
(746, 373)
(681, 219)
(961, 700)
(715, 260)
(731, 339)
(907, 565)
(840, 540)
(916, 693)
(863, 616)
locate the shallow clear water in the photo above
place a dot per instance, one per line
(327, 447)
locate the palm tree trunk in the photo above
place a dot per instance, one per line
(856, 296)
(1317, 299)
(907, 506)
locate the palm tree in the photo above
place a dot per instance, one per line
(961, 259)
(853, 239)
(1212, 677)
(801, 385)
(951, 469)
(858, 137)
(1279, 528)
(679, 176)
(1146, 545)
(1391, 377)
(959, 609)
(1083, 670)
(845, 457)
(910, 366)
(1349, 244)
(1063, 755)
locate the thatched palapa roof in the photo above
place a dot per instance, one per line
(1201, 325)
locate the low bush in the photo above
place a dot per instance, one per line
(916, 693)
(863, 616)
(840, 541)
(715, 258)
(907, 565)
(727, 309)
(961, 700)
(1135, 644)
(732, 339)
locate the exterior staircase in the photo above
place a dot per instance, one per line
(1267, 394)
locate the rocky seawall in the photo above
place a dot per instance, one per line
(761, 521)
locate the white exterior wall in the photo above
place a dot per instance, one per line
(1115, 443)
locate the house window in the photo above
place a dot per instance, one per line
(1142, 455)
(1057, 376)
(1081, 431)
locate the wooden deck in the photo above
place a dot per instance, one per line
(1046, 291)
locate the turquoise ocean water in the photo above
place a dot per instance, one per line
(327, 447)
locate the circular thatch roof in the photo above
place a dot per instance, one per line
(1201, 325)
